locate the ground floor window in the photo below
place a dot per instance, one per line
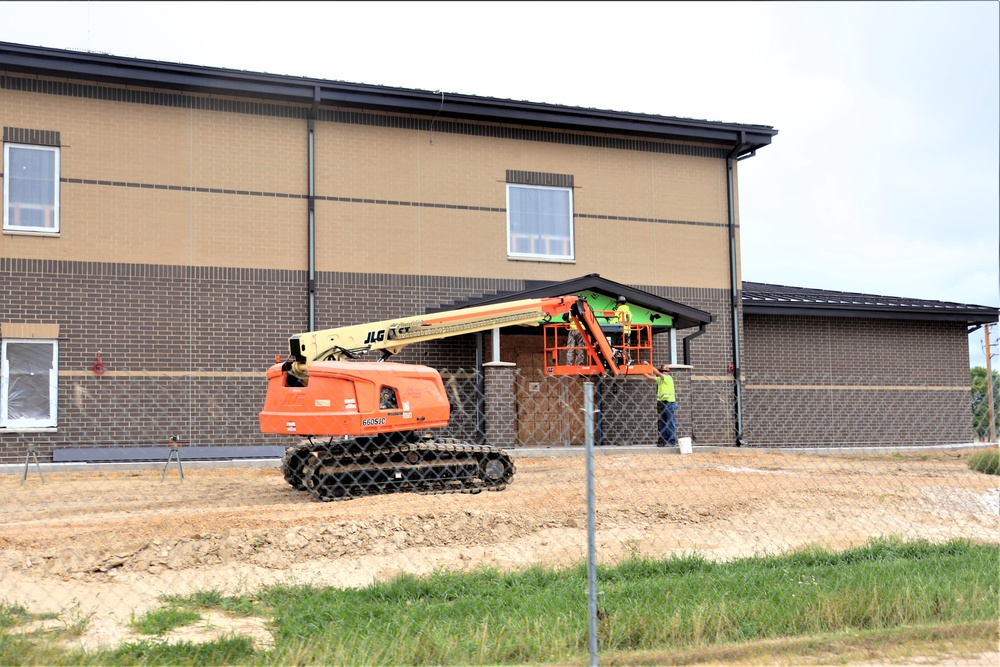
(29, 383)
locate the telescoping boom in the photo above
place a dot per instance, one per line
(391, 336)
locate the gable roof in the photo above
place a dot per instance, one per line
(766, 299)
(684, 316)
(83, 65)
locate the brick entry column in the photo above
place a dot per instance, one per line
(501, 413)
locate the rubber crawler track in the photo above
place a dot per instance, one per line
(345, 470)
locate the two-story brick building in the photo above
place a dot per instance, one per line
(167, 227)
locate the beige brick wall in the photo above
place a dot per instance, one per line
(171, 152)
(414, 166)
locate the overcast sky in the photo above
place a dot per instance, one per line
(883, 177)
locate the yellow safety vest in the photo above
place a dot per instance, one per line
(623, 316)
(665, 389)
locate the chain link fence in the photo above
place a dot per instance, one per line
(985, 404)
(87, 549)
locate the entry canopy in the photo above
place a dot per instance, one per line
(602, 294)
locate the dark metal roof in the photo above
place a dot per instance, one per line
(82, 65)
(765, 299)
(684, 317)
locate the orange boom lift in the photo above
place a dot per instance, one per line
(366, 425)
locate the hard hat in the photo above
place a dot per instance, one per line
(621, 299)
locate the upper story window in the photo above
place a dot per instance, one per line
(30, 181)
(539, 216)
(28, 383)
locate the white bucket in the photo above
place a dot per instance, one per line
(685, 445)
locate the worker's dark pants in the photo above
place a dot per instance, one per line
(667, 423)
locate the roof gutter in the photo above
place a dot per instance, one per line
(734, 283)
(968, 317)
(62, 63)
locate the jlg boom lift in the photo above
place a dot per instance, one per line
(366, 425)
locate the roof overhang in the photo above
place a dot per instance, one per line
(766, 299)
(684, 317)
(911, 314)
(82, 65)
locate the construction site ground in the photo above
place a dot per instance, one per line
(104, 545)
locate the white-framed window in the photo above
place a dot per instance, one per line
(29, 383)
(539, 222)
(30, 188)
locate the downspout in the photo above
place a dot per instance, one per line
(311, 232)
(686, 343)
(734, 286)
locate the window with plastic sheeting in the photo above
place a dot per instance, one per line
(31, 189)
(539, 222)
(29, 385)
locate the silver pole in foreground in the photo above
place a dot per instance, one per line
(989, 387)
(588, 412)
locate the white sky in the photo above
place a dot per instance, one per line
(884, 177)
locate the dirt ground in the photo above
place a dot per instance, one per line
(102, 546)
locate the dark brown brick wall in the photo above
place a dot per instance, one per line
(852, 382)
(185, 348)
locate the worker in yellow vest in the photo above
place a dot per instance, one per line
(666, 405)
(623, 316)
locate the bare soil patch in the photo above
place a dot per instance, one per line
(104, 546)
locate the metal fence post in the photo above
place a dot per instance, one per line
(588, 412)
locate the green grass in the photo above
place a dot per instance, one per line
(987, 462)
(229, 651)
(813, 602)
(235, 606)
(162, 621)
(13, 615)
(36, 646)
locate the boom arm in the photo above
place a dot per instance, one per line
(586, 320)
(390, 336)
